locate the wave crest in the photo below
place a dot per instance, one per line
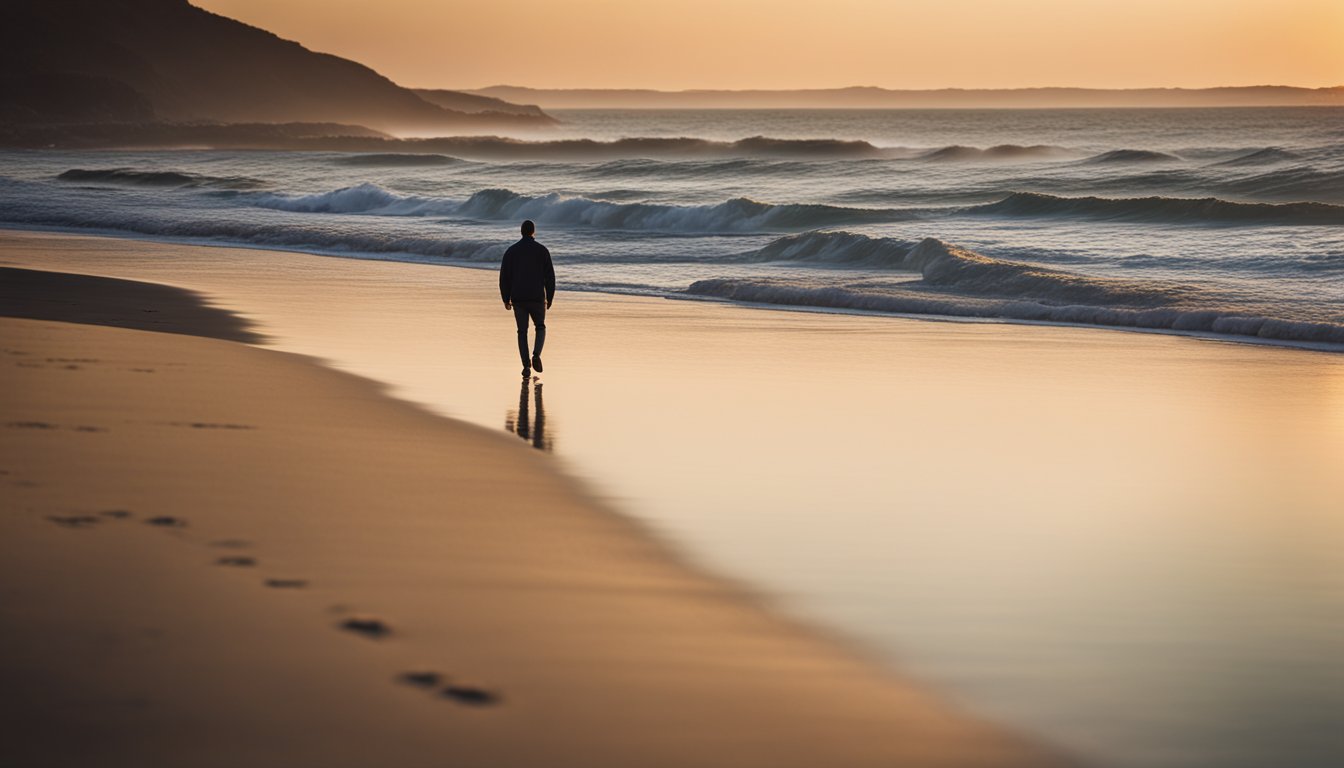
(1116, 156)
(1001, 152)
(131, 177)
(945, 266)
(362, 198)
(500, 148)
(738, 215)
(1294, 182)
(837, 248)
(1162, 209)
(1262, 157)
(396, 160)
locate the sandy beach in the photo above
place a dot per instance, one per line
(896, 408)
(217, 554)
(991, 512)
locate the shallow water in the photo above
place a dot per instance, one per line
(1238, 229)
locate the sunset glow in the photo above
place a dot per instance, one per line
(947, 383)
(758, 44)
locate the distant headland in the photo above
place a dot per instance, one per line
(144, 66)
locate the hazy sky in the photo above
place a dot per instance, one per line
(820, 43)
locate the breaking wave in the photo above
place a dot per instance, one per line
(366, 243)
(957, 282)
(1162, 209)
(369, 238)
(362, 198)
(947, 266)
(131, 177)
(739, 215)
(837, 249)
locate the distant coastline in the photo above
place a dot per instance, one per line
(145, 68)
(943, 98)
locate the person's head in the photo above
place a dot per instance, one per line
(529, 228)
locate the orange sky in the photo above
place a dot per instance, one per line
(820, 43)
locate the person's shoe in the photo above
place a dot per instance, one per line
(527, 372)
(536, 362)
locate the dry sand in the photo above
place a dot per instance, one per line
(203, 540)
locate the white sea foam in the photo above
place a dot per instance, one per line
(364, 198)
(958, 282)
(731, 216)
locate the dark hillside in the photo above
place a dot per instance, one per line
(133, 60)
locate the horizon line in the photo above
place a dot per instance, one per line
(1339, 86)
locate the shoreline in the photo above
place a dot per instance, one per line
(1254, 341)
(641, 660)
(875, 477)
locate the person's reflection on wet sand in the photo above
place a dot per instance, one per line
(517, 421)
(520, 423)
(539, 439)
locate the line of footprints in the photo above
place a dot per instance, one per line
(366, 626)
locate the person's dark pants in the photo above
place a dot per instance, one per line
(537, 311)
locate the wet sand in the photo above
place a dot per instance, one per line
(1122, 543)
(216, 554)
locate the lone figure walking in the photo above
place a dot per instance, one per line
(527, 285)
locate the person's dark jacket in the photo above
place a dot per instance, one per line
(527, 274)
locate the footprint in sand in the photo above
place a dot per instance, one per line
(462, 694)
(368, 627)
(465, 694)
(421, 679)
(84, 521)
(45, 425)
(286, 583)
(167, 521)
(73, 521)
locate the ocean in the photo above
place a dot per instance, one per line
(1224, 222)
